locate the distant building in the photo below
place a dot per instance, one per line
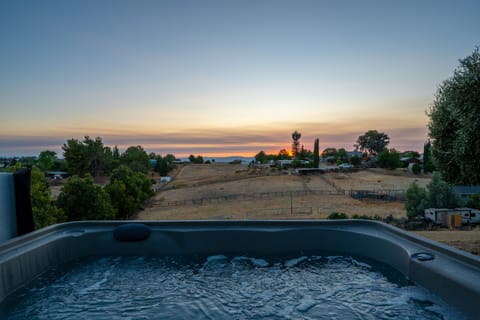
(153, 163)
(351, 154)
(284, 163)
(56, 174)
(466, 191)
(165, 179)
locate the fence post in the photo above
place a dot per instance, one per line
(291, 204)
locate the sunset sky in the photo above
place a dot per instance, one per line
(225, 77)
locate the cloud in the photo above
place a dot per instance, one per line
(225, 141)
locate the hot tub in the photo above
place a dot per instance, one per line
(450, 274)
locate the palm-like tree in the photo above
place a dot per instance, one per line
(296, 142)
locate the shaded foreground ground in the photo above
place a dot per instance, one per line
(226, 191)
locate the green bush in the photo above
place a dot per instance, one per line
(337, 215)
(363, 216)
(389, 159)
(474, 201)
(81, 199)
(128, 190)
(416, 200)
(439, 194)
(389, 219)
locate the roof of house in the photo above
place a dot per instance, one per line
(466, 189)
(56, 173)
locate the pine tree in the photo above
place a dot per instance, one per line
(316, 154)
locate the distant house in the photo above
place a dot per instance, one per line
(58, 175)
(153, 163)
(351, 154)
(466, 191)
(284, 163)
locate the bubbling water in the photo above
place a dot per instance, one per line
(221, 287)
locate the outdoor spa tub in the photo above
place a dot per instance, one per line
(445, 272)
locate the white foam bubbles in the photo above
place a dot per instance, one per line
(293, 262)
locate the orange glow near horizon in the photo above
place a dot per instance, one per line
(155, 74)
(245, 142)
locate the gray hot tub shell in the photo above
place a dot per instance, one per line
(452, 274)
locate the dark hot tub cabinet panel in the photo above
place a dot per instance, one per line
(449, 273)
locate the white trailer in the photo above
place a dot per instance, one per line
(470, 216)
(440, 215)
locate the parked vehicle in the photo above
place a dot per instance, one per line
(440, 216)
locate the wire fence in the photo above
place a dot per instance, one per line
(382, 194)
(385, 195)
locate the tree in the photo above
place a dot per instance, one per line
(454, 125)
(197, 159)
(81, 199)
(171, 158)
(136, 158)
(304, 154)
(45, 213)
(372, 141)
(261, 157)
(410, 154)
(389, 159)
(440, 194)
(355, 160)
(416, 200)
(316, 155)
(98, 156)
(283, 155)
(164, 164)
(88, 156)
(342, 155)
(427, 157)
(329, 152)
(296, 143)
(46, 160)
(115, 153)
(75, 155)
(128, 190)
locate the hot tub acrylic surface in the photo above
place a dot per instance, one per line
(224, 287)
(450, 274)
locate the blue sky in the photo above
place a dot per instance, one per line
(224, 77)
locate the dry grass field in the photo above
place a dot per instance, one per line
(227, 191)
(465, 240)
(374, 179)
